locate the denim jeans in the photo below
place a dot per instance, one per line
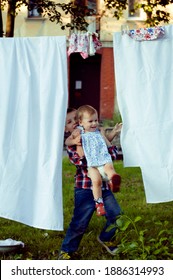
(83, 211)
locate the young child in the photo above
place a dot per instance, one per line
(84, 205)
(71, 122)
(72, 135)
(95, 149)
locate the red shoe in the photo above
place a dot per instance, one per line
(100, 209)
(115, 183)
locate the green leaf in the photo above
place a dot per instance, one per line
(123, 223)
(141, 238)
(138, 218)
(133, 245)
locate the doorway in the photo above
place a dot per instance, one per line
(85, 81)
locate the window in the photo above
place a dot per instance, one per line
(33, 9)
(91, 4)
(131, 11)
(93, 20)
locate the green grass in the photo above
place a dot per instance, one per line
(145, 230)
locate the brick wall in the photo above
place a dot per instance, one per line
(107, 84)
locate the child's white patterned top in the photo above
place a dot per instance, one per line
(95, 148)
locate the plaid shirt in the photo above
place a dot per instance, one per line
(81, 178)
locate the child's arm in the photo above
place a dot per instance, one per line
(114, 132)
(70, 141)
(74, 138)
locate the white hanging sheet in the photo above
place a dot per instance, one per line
(33, 103)
(143, 72)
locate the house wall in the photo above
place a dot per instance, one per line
(31, 27)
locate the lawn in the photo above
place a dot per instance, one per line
(144, 231)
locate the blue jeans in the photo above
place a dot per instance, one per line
(83, 211)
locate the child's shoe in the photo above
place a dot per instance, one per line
(115, 183)
(100, 209)
(64, 256)
(109, 246)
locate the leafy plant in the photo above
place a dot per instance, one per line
(136, 244)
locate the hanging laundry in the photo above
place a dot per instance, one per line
(33, 102)
(84, 43)
(145, 97)
(147, 34)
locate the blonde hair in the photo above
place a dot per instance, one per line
(85, 109)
